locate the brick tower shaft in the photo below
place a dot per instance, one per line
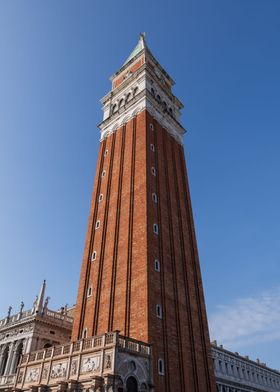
(140, 273)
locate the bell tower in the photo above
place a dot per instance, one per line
(140, 273)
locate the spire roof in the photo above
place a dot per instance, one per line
(140, 46)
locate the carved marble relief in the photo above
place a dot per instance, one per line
(74, 367)
(108, 361)
(20, 377)
(32, 375)
(59, 370)
(90, 364)
(45, 373)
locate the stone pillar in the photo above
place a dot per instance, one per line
(62, 386)
(72, 385)
(97, 383)
(10, 358)
(15, 360)
(109, 383)
(1, 356)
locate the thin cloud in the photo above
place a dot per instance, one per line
(247, 320)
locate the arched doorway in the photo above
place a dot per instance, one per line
(131, 384)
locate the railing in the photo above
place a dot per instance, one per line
(96, 342)
(58, 316)
(7, 380)
(129, 344)
(15, 318)
(29, 313)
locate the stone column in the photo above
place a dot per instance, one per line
(15, 360)
(10, 358)
(2, 352)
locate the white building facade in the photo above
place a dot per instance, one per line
(26, 331)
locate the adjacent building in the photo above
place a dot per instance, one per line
(30, 330)
(235, 373)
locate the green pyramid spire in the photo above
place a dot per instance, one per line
(140, 46)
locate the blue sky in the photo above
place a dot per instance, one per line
(55, 61)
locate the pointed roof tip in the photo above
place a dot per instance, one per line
(140, 46)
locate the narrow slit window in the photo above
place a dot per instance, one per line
(157, 265)
(160, 367)
(152, 147)
(85, 333)
(155, 228)
(97, 224)
(105, 153)
(159, 311)
(93, 255)
(151, 126)
(153, 170)
(154, 197)
(89, 291)
(103, 173)
(100, 198)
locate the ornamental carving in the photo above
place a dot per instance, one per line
(74, 367)
(20, 377)
(108, 361)
(90, 364)
(32, 375)
(59, 370)
(45, 373)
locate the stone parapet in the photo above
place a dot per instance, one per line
(101, 361)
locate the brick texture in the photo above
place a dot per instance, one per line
(126, 288)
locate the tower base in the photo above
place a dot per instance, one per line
(107, 363)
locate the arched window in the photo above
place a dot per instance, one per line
(121, 103)
(131, 384)
(89, 293)
(152, 147)
(157, 265)
(154, 197)
(153, 170)
(85, 333)
(100, 198)
(151, 126)
(164, 105)
(159, 311)
(155, 228)
(160, 367)
(170, 111)
(93, 256)
(135, 91)
(97, 224)
(158, 98)
(153, 91)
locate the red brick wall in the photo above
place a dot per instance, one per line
(126, 287)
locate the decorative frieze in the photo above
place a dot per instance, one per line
(102, 358)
